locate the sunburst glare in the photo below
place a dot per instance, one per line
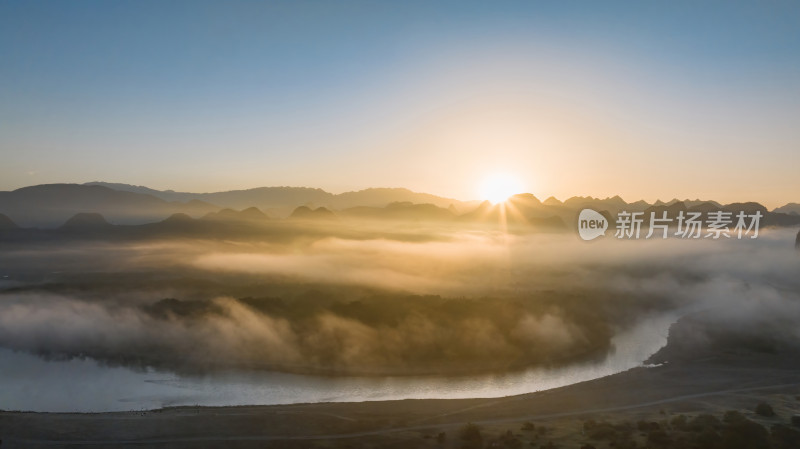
(498, 187)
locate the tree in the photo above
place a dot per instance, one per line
(471, 436)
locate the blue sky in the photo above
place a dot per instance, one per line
(643, 99)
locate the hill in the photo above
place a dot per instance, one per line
(791, 209)
(50, 205)
(404, 210)
(306, 213)
(85, 222)
(284, 200)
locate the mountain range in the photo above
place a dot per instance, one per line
(50, 205)
(58, 205)
(280, 201)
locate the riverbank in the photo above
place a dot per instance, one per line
(707, 382)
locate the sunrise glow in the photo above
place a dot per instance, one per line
(498, 187)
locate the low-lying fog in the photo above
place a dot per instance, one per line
(450, 301)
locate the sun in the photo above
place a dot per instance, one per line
(498, 187)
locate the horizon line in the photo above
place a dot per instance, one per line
(403, 188)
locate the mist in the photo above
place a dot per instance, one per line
(456, 300)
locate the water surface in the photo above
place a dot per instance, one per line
(31, 384)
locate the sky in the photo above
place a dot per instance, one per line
(647, 100)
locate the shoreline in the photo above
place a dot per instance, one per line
(632, 348)
(709, 381)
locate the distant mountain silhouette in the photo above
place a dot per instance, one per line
(704, 208)
(178, 218)
(380, 197)
(552, 201)
(404, 210)
(525, 208)
(791, 209)
(687, 202)
(251, 213)
(672, 209)
(285, 199)
(49, 205)
(53, 204)
(613, 204)
(527, 199)
(639, 205)
(306, 213)
(748, 208)
(522, 209)
(167, 195)
(85, 222)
